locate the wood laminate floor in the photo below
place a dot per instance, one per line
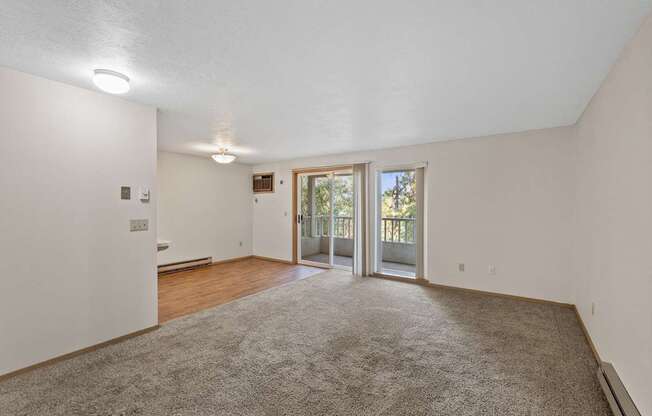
(186, 292)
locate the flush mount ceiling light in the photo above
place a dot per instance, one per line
(223, 157)
(111, 81)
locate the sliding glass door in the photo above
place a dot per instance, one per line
(314, 219)
(325, 219)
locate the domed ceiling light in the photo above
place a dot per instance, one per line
(223, 157)
(111, 81)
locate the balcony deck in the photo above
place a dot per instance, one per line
(397, 269)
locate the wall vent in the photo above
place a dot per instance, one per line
(184, 265)
(619, 401)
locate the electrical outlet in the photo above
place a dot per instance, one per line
(138, 225)
(460, 267)
(492, 269)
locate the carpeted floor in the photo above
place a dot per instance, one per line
(333, 344)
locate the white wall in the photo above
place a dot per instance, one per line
(204, 208)
(71, 273)
(503, 200)
(614, 200)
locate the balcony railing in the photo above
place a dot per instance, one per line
(398, 230)
(319, 226)
(395, 230)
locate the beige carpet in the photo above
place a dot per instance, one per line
(333, 344)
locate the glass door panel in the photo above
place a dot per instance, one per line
(398, 222)
(343, 225)
(315, 199)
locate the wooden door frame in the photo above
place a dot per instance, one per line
(295, 175)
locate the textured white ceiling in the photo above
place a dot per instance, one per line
(288, 78)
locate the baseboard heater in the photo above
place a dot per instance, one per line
(184, 265)
(619, 401)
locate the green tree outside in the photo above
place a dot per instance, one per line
(342, 196)
(399, 195)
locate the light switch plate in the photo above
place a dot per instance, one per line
(143, 195)
(138, 225)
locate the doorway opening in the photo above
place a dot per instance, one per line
(325, 220)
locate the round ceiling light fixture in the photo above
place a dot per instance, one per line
(111, 81)
(223, 157)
